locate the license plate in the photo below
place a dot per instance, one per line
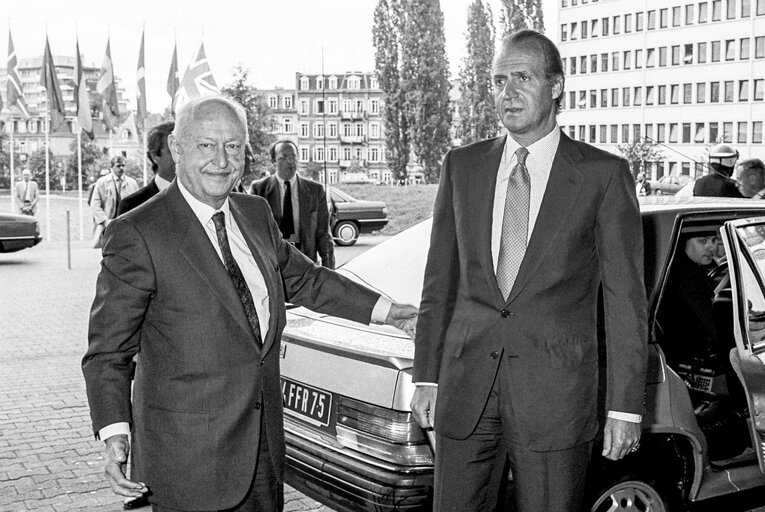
(306, 402)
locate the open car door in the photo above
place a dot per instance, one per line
(745, 248)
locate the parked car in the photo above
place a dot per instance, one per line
(18, 232)
(353, 445)
(669, 185)
(351, 217)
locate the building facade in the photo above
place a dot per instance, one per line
(683, 74)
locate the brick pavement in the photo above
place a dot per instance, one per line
(49, 460)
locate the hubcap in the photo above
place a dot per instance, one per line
(631, 496)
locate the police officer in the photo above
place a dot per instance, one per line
(718, 182)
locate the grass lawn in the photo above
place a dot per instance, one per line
(406, 205)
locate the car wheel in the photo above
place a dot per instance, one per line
(630, 495)
(658, 192)
(346, 233)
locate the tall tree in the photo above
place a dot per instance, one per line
(520, 14)
(259, 115)
(425, 82)
(478, 117)
(386, 31)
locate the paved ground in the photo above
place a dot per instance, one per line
(49, 460)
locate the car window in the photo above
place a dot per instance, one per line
(341, 197)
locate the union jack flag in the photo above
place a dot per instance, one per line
(197, 80)
(15, 95)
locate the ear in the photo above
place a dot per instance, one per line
(557, 86)
(174, 147)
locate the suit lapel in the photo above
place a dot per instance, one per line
(304, 204)
(196, 248)
(273, 196)
(485, 203)
(557, 202)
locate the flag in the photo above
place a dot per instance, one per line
(141, 112)
(81, 97)
(15, 95)
(172, 78)
(197, 80)
(49, 80)
(108, 90)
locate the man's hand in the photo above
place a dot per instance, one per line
(403, 316)
(117, 450)
(620, 438)
(424, 405)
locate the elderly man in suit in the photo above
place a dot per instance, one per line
(27, 193)
(162, 165)
(526, 228)
(194, 283)
(299, 205)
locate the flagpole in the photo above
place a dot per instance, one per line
(79, 176)
(47, 171)
(13, 184)
(145, 171)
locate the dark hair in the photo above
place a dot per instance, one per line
(272, 149)
(156, 138)
(553, 61)
(752, 164)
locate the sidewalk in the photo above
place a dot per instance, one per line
(49, 460)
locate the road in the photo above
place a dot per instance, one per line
(49, 460)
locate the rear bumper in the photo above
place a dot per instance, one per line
(350, 485)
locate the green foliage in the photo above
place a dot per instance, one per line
(259, 116)
(386, 33)
(519, 14)
(425, 82)
(93, 160)
(407, 205)
(312, 170)
(640, 153)
(476, 106)
(36, 164)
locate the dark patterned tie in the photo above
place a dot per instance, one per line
(515, 224)
(235, 273)
(118, 197)
(287, 226)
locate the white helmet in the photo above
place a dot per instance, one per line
(723, 154)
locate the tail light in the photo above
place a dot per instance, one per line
(385, 434)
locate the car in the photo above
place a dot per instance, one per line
(18, 232)
(669, 185)
(351, 217)
(353, 444)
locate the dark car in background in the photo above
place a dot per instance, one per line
(353, 445)
(18, 232)
(351, 217)
(669, 185)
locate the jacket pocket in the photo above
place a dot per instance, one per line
(568, 352)
(175, 422)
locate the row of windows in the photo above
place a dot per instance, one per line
(352, 82)
(727, 91)
(273, 101)
(330, 106)
(346, 129)
(346, 154)
(689, 14)
(746, 132)
(699, 53)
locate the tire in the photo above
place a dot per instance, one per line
(346, 233)
(658, 192)
(631, 495)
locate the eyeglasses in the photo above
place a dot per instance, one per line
(120, 165)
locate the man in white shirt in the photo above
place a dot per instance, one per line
(27, 193)
(194, 283)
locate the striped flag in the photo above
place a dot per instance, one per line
(81, 97)
(15, 95)
(141, 112)
(197, 80)
(49, 80)
(108, 90)
(172, 79)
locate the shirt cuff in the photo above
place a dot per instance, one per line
(428, 384)
(625, 416)
(115, 429)
(381, 310)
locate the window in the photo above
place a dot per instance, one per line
(663, 15)
(583, 64)
(626, 97)
(593, 63)
(273, 101)
(304, 129)
(286, 125)
(374, 154)
(374, 106)
(662, 56)
(346, 153)
(318, 130)
(359, 130)
(332, 106)
(332, 130)
(760, 7)
(689, 14)
(615, 61)
(604, 26)
(686, 133)
(617, 24)
(676, 16)
(574, 27)
(651, 20)
(743, 90)
(614, 133)
(743, 48)
(731, 11)
(304, 107)
(374, 130)
(358, 106)
(304, 154)
(625, 133)
(759, 47)
(698, 136)
(593, 99)
(701, 53)
(759, 86)
(687, 93)
(318, 106)
(594, 28)
(347, 130)
(757, 130)
(287, 101)
(727, 132)
(571, 99)
(373, 82)
(649, 95)
(564, 32)
(716, 10)
(332, 154)
(639, 22)
(746, 8)
(582, 99)
(730, 49)
(581, 132)
(318, 153)
(714, 92)
(741, 133)
(661, 132)
(347, 106)
(627, 59)
(728, 88)
(627, 23)
(703, 12)
(688, 54)
(353, 82)
(319, 82)
(662, 94)
(713, 133)
(701, 92)
(636, 132)
(604, 62)
(573, 66)
(333, 82)
(304, 83)
(637, 96)
(583, 31)
(604, 98)
(715, 51)
(638, 58)
(672, 132)
(674, 94)
(614, 97)
(650, 57)
(649, 131)
(592, 130)
(676, 55)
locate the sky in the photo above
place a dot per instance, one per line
(273, 39)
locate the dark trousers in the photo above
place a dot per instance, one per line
(466, 477)
(265, 493)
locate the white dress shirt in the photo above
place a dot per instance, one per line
(161, 182)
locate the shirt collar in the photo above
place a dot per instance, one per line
(202, 211)
(161, 182)
(292, 180)
(541, 152)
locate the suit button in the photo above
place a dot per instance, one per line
(257, 405)
(505, 313)
(494, 355)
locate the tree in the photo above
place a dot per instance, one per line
(425, 82)
(93, 160)
(476, 104)
(36, 164)
(259, 116)
(640, 153)
(519, 14)
(388, 18)
(312, 170)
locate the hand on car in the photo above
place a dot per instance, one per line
(620, 438)
(424, 405)
(117, 450)
(403, 316)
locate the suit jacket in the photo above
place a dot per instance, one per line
(33, 194)
(203, 388)
(588, 230)
(103, 203)
(313, 231)
(138, 197)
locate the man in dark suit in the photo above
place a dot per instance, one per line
(194, 283)
(526, 228)
(299, 205)
(162, 165)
